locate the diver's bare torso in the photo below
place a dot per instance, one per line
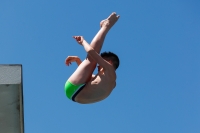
(98, 88)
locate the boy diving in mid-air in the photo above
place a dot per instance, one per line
(84, 87)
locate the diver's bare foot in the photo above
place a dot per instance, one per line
(110, 21)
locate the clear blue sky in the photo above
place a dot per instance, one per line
(158, 82)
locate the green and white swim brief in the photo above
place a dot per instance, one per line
(72, 90)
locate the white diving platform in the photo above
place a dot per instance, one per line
(11, 99)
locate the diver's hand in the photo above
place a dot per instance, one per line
(79, 39)
(71, 59)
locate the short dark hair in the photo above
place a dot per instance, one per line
(111, 56)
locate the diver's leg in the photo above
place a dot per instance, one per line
(84, 71)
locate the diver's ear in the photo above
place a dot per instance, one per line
(110, 62)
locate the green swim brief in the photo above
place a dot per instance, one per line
(72, 90)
